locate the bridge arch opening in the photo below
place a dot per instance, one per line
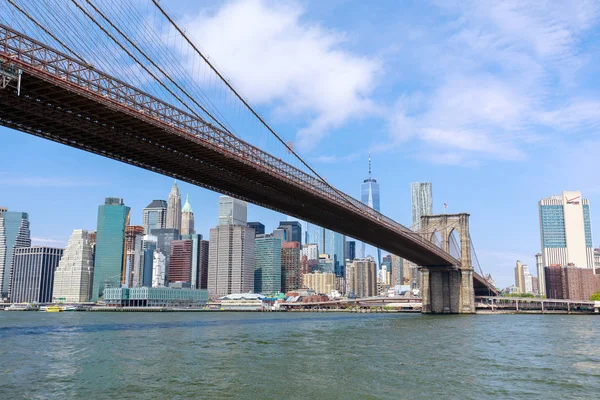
(454, 244)
(436, 238)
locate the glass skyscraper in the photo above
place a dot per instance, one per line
(267, 274)
(566, 231)
(421, 201)
(113, 217)
(14, 233)
(334, 247)
(369, 195)
(33, 269)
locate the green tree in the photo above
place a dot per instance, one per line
(595, 296)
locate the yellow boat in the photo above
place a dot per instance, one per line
(54, 309)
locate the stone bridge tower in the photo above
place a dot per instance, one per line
(448, 289)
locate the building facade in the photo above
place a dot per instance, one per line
(311, 251)
(180, 262)
(566, 231)
(32, 278)
(232, 211)
(174, 209)
(110, 249)
(204, 257)
(187, 218)
(159, 269)
(320, 282)
(293, 230)
(421, 200)
(290, 266)
(231, 260)
(132, 273)
(154, 216)
(73, 277)
(369, 195)
(520, 277)
(350, 250)
(164, 237)
(361, 278)
(541, 280)
(14, 233)
(334, 246)
(267, 272)
(259, 228)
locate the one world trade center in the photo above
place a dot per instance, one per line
(369, 194)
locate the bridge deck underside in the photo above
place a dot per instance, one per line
(50, 110)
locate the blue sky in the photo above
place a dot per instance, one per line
(495, 103)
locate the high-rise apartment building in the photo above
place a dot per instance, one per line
(311, 251)
(231, 259)
(111, 254)
(541, 280)
(293, 230)
(259, 228)
(14, 233)
(421, 201)
(290, 266)
(32, 278)
(267, 272)
(369, 195)
(154, 216)
(187, 218)
(361, 278)
(73, 277)
(232, 211)
(519, 277)
(320, 282)
(174, 209)
(566, 231)
(132, 273)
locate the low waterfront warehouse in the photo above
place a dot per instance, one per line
(155, 297)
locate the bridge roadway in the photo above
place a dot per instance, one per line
(66, 101)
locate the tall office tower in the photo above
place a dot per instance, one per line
(203, 267)
(519, 277)
(149, 243)
(290, 266)
(73, 277)
(164, 237)
(110, 255)
(180, 263)
(334, 246)
(132, 274)
(231, 260)
(197, 255)
(174, 208)
(293, 230)
(566, 231)
(259, 228)
(187, 218)
(154, 215)
(369, 194)
(232, 211)
(421, 201)
(361, 278)
(159, 269)
(14, 233)
(311, 251)
(350, 250)
(33, 274)
(267, 272)
(541, 280)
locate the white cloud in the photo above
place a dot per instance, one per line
(295, 67)
(501, 68)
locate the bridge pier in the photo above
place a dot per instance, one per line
(447, 291)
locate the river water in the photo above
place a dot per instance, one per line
(297, 355)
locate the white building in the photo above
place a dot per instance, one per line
(232, 211)
(231, 261)
(541, 275)
(174, 209)
(311, 251)
(527, 280)
(566, 231)
(73, 276)
(159, 269)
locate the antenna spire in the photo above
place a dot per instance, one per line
(369, 164)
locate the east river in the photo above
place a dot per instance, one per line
(90, 355)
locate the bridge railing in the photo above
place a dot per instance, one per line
(44, 62)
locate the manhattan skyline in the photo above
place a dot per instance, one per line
(498, 179)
